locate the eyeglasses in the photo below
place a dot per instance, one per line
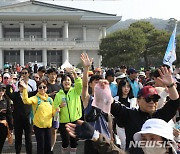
(155, 98)
(24, 72)
(42, 87)
(6, 78)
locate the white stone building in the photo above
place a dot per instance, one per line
(36, 31)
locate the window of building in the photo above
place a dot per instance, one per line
(54, 56)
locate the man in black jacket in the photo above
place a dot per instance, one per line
(132, 120)
(21, 115)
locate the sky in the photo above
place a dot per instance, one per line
(128, 9)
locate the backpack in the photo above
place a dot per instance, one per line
(39, 102)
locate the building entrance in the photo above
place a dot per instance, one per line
(32, 56)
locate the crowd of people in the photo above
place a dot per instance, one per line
(115, 111)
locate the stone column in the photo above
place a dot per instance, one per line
(44, 57)
(66, 35)
(65, 55)
(44, 31)
(103, 32)
(22, 57)
(1, 31)
(21, 31)
(84, 33)
(1, 59)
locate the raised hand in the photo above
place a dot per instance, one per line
(85, 60)
(165, 76)
(22, 83)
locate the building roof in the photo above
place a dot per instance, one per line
(35, 10)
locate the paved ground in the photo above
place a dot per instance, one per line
(9, 149)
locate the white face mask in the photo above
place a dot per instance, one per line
(154, 150)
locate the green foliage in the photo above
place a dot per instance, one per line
(140, 44)
(177, 62)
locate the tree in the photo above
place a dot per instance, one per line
(140, 41)
(121, 46)
(177, 62)
(171, 24)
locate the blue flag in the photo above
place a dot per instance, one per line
(170, 55)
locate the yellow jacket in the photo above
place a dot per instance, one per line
(43, 113)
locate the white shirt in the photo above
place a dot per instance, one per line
(31, 86)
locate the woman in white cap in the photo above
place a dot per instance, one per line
(155, 137)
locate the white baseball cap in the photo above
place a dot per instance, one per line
(6, 75)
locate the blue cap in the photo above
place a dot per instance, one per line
(131, 71)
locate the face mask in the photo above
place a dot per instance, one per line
(154, 150)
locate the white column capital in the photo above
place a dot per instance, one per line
(44, 23)
(66, 22)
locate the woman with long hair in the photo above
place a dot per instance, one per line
(125, 97)
(124, 94)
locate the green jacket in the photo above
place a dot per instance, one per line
(73, 110)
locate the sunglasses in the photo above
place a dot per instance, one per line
(42, 87)
(6, 78)
(155, 98)
(24, 72)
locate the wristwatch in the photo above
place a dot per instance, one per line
(171, 85)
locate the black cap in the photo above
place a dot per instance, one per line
(110, 73)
